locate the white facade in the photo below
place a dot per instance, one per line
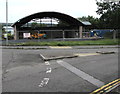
(9, 29)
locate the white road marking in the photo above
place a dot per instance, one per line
(44, 82)
(49, 70)
(42, 56)
(47, 63)
(81, 74)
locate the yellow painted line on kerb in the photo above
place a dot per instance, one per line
(86, 54)
(107, 87)
(60, 47)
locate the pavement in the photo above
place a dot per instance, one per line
(60, 47)
(24, 70)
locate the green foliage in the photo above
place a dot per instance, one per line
(110, 14)
(72, 43)
(9, 36)
(108, 35)
(94, 21)
(34, 24)
(42, 25)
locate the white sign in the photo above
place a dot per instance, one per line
(26, 35)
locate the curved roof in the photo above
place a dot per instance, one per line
(63, 17)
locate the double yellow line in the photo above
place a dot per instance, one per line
(108, 87)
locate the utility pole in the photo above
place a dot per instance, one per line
(6, 22)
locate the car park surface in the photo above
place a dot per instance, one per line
(25, 71)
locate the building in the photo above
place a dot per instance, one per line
(9, 29)
(53, 24)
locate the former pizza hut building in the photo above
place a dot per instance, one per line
(53, 24)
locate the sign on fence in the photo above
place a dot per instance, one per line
(26, 35)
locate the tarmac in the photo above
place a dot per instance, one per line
(60, 47)
(52, 53)
(62, 55)
(24, 70)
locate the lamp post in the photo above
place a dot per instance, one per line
(6, 22)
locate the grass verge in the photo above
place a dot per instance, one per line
(71, 43)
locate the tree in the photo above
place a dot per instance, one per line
(34, 24)
(94, 21)
(110, 14)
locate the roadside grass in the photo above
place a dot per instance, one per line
(72, 43)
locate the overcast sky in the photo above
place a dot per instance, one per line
(18, 9)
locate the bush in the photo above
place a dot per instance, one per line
(118, 34)
(108, 35)
(10, 36)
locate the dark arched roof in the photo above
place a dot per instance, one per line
(63, 17)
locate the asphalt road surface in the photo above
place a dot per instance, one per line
(25, 71)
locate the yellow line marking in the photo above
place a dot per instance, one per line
(116, 83)
(107, 86)
(59, 47)
(100, 92)
(87, 54)
(112, 85)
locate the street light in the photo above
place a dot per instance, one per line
(6, 22)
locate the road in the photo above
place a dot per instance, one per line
(25, 71)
